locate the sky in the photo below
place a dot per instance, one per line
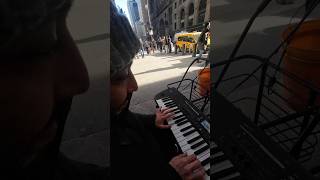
(123, 5)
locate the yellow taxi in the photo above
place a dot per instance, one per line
(186, 39)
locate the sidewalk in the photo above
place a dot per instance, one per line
(154, 72)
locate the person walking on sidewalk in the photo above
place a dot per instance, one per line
(202, 41)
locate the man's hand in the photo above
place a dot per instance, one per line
(162, 115)
(188, 167)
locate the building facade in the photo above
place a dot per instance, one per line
(133, 13)
(171, 16)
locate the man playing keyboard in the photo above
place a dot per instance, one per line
(141, 145)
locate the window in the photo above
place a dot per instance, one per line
(191, 9)
(175, 26)
(175, 5)
(175, 16)
(182, 14)
(182, 25)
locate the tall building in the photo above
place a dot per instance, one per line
(144, 14)
(171, 16)
(133, 13)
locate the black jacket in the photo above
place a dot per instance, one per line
(138, 149)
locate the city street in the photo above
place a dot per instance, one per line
(154, 72)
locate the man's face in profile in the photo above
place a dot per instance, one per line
(38, 70)
(122, 85)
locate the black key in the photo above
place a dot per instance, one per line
(194, 139)
(169, 103)
(206, 161)
(223, 173)
(177, 117)
(186, 128)
(182, 122)
(171, 106)
(199, 151)
(166, 99)
(197, 144)
(176, 111)
(189, 132)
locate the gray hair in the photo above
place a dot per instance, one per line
(19, 16)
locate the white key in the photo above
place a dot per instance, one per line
(191, 136)
(188, 146)
(180, 113)
(184, 143)
(175, 126)
(203, 156)
(180, 133)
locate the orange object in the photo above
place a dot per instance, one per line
(303, 60)
(204, 81)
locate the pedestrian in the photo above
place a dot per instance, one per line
(41, 71)
(170, 44)
(202, 41)
(163, 42)
(147, 46)
(160, 44)
(141, 145)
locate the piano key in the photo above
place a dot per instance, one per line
(176, 116)
(169, 103)
(189, 132)
(176, 111)
(178, 120)
(186, 128)
(206, 161)
(204, 155)
(178, 133)
(199, 151)
(188, 137)
(184, 142)
(174, 121)
(174, 127)
(192, 151)
(182, 122)
(170, 106)
(167, 100)
(197, 144)
(194, 139)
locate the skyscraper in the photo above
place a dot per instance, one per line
(133, 13)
